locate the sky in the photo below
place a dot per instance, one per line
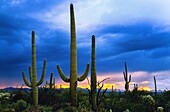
(133, 31)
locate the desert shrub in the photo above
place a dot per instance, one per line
(34, 109)
(148, 103)
(83, 98)
(111, 99)
(62, 100)
(20, 105)
(4, 97)
(127, 110)
(47, 109)
(163, 100)
(21, 94)
(46, 96)
(160, 109)
(121, 105)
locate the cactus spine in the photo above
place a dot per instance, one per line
(93, 75)
(73, 63)
(33, 73)
(125, 73)
(155, 85)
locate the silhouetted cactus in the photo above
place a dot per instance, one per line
(60, 86)
(135, 87)
(73, 63)
(33, 73)
(127, 81)
(52, 82)
(155, 85)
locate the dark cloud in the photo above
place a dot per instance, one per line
(138, 28)
(162, 52)
(15, 37)
(136, 37)
(142, 46)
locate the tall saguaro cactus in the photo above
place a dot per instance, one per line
(127, 81)
(73, 63)
(93, 74)
(33, 73)
(155, 85)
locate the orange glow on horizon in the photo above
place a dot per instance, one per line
(2, 87)
(82, 86)
(109, 86)
(145, 88)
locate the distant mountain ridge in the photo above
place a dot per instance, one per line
(14, 89)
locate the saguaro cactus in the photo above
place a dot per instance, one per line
(155, 85)
(95, 96)
(135, 87)
(52, 81)
(73, 63)
(112, 88)
(125, 73)
(93, 74)
(33, 73)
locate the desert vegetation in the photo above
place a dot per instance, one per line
(58, 100)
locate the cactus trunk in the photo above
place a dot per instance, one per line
(33, 73)
(95, 97)
(93, 75)
(73, 63)
(73, 59)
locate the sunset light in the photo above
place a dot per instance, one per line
(145, 88)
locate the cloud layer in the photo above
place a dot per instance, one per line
(135, 31)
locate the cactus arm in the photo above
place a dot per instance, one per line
(25, 80)
(81, 78)
(43, 74)
(62, 75)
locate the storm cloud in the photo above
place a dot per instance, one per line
(129, 32)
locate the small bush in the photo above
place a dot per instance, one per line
(20, 105)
